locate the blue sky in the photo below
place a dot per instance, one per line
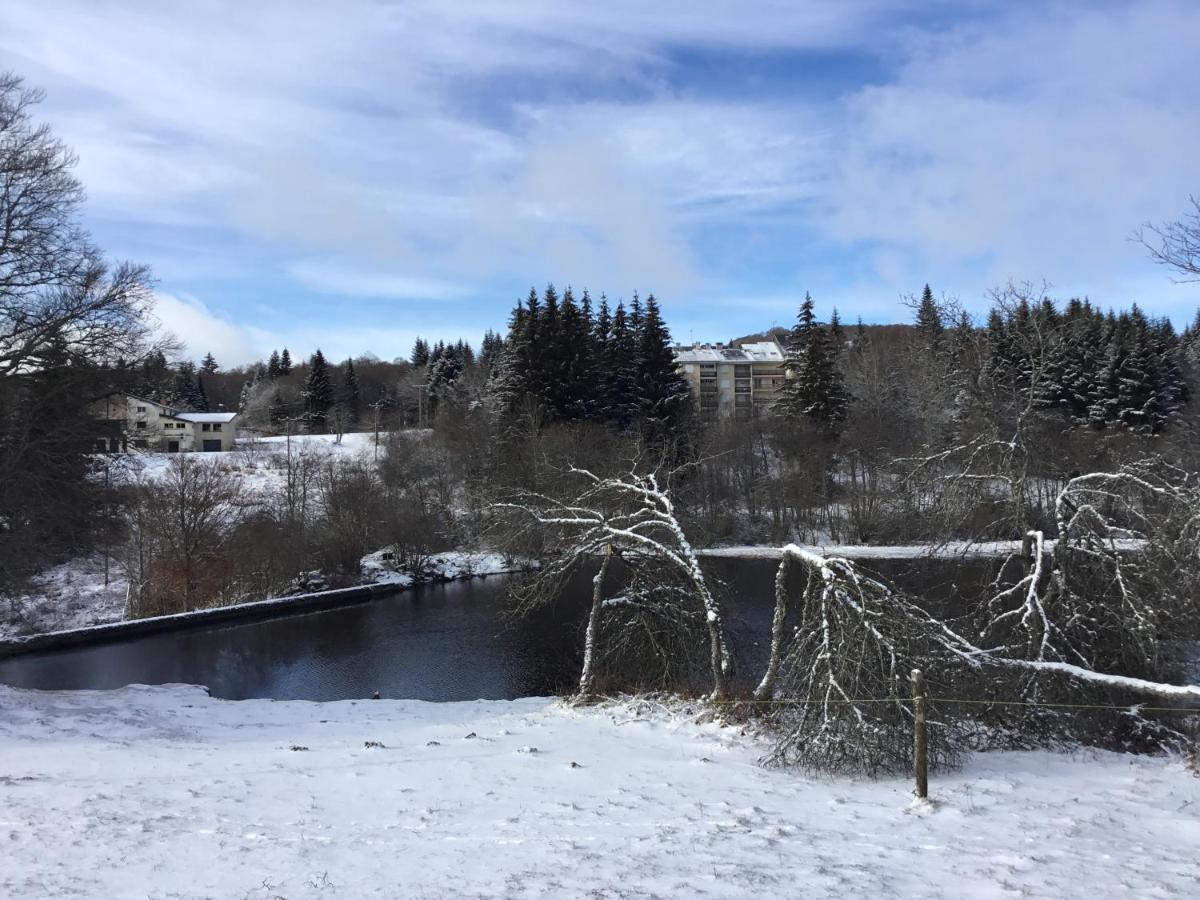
(351, 175)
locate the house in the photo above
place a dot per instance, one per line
(126, 422)
(731, 382)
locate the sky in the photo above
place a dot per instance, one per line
(350, 175)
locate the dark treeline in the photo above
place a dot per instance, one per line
(610, 366)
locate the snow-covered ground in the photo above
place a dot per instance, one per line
(164, 792)
(259, 463)
(450, 566)
(71, 595)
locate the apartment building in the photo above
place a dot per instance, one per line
(733, 382)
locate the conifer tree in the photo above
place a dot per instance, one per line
(351, 396)
(663, 396)
(208, 365)
(620, 384)
(285, 362)
(929, 322)
(490, 350)
(199, 397)
(420, 353)
(860, 334)
(815, 390)
(318, 394)
(273, 365)
(512, 379)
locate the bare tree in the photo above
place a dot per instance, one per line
(57, 295)
(1175, 244)
(179, 525)
(631, 515)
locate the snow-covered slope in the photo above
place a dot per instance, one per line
(164, 792)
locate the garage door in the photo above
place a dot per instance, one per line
(212, 446)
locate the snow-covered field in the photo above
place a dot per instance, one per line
(259, 463)
(163, 792)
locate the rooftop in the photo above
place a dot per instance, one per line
(762, 351)
(205, 417)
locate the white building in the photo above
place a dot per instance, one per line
(126, 422)
(733, 382)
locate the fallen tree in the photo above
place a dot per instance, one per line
(1090, 623)
(630, 516)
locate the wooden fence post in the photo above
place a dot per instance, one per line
(920, 738)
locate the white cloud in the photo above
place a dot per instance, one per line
(421, 149)
(1029, 149)
(201, 331)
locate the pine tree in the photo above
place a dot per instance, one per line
(929, 322)
(198, 399)
(273, 365)
(490, 351)
(285, 362)
(815, 389)
(860, 334)
(351, 397)
(663, 396)
(318, 394)
(621, 368)
(513, 377)
(837, 334)
(209, 364)
(442, 381)
(420, 353)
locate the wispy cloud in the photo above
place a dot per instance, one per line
(429, 150)
(354, 281)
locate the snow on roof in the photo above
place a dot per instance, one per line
(205, 417)
(762, 351)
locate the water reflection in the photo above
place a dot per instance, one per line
(436, 642)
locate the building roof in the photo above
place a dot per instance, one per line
(762, 351)
(205, 417)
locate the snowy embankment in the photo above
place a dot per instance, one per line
(453, 565)
(68, 596)
(165, 792)
(944, 550)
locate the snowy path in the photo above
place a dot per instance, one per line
(163, 792)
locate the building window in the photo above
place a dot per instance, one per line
(741, 371)
(141, 409)
(139, 424)
(217, 427)
(206, 427)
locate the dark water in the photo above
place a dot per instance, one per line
(436, 642)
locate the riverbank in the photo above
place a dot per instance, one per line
(81, 596)
(166, 792)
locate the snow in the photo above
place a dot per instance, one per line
(944, 550)
(206, 417)
(453, 565)
(68, 596)
(165, 792)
